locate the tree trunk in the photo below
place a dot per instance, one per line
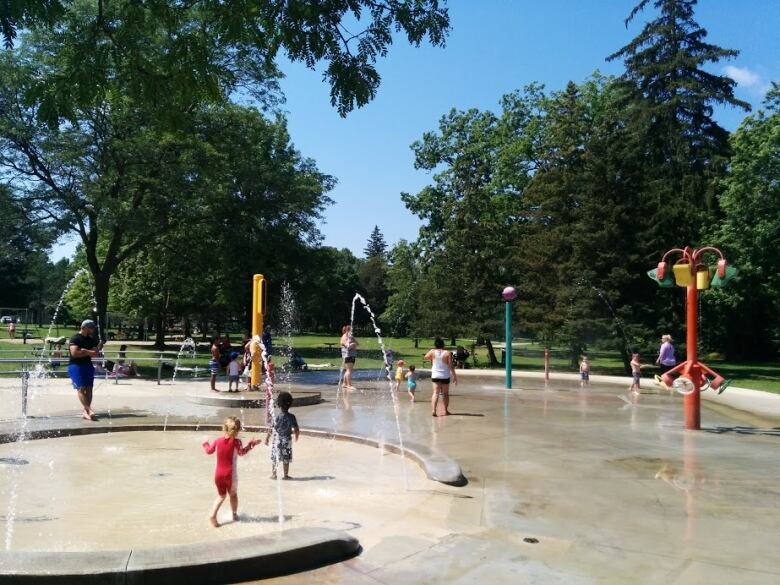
(626, 359)
(576, 352)
(453, 341)
(101, 302)
(159, 339)
(416, 343)
(492, 360)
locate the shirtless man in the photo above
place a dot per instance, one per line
(214, 363)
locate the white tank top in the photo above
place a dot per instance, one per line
(440, 369)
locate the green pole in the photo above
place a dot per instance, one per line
(508, 342)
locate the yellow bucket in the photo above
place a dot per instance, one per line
(682, 274)
(703, 278)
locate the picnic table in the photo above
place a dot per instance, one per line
(330, 345)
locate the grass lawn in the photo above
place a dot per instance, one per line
(324, 349)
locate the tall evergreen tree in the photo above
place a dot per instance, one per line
(376, 246)
(686, 148)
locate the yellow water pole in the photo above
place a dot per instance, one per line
(258, 312)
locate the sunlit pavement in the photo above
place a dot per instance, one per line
(566, 485)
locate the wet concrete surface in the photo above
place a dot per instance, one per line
(611, 489)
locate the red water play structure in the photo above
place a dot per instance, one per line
(690, 271)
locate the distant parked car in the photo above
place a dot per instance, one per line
(6, 319)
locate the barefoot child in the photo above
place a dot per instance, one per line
(636, 373)
(226, 474)
(411, 382)
(233, 371)
(584, 371)
(399, 375)
(285, 424)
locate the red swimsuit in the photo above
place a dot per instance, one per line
(227, 448)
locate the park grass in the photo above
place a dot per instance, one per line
(324, 349)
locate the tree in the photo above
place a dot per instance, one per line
(123, 183)
(20, 251)
(178, 55)
(372, 275)
(327, 281)
(745, 316)
(109, 176)
(666, 71)
(473, 214)
(257, 212)
(403, 279)
(376, 246)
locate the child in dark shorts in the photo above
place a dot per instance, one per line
(584, 371)
(284, 426)
(636, 373)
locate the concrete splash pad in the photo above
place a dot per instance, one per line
(566, 485)
(103, 503)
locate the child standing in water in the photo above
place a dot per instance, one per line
(399, 375)
(584, 371)
(411, 382)
(226, 473)
(233, 371)
(636, 373)
(285, 424)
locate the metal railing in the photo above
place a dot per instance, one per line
(28, 364)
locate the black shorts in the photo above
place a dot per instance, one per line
(349, 360)
(440, 380)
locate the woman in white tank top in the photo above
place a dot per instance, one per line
(442, 371)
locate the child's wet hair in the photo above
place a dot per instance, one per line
(284, 400)
(231, 426)
(411, 368)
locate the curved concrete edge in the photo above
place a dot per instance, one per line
(299, 399)
(436, 464)
(236, 560)
(764, 405)
(758, 403)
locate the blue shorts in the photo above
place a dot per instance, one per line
(81, 375)
(214, 367)
(585, 376)
(411, 385)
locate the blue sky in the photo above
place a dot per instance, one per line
(495, 47)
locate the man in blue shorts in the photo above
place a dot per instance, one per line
(82, 348)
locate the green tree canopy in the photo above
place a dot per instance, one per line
(176, 55)
(748, 311)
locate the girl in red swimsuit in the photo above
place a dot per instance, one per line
(228, 447)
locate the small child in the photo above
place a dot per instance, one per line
(584, 371)
(56, 355)
(225, 475)
(233, 370)
(284, 425)
(411, 382)
(399, 375)
(247, 371)
(636, 373)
